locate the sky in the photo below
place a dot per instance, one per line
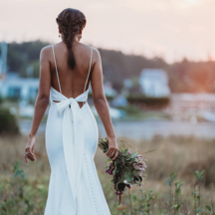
(172, 29)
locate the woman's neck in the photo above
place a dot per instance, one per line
(77, 37)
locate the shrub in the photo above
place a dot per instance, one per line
(1, 100)
(152, 101)
(8, 123)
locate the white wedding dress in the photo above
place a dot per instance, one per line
(71, 142)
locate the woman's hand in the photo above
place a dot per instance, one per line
(30, 149)
(112, 148)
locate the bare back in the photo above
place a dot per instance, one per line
(72, 82)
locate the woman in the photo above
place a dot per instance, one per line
(66, 71)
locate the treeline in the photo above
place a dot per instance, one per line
(184, 76)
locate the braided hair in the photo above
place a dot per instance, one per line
(71, 21)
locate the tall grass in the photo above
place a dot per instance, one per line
(24, 188)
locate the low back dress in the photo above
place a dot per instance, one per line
(71, 141)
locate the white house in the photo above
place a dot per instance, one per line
(13, 86)
(154, 83)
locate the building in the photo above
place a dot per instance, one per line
(13, 86)
(154, 83)
(188, 106)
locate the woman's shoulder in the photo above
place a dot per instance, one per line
(96, 53)
(45, 52)
(89, 47)
(46, 48)
(85, 46)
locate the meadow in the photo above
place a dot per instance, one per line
(170, 185)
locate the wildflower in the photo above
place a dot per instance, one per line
(140, 157)
(110, 169)
(140, 173)
(140, 166)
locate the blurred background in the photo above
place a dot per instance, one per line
(158, 61)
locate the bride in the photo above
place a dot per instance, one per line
(66, 71)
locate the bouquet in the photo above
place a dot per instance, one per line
(127, 169)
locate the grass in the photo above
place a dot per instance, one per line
(24, 188)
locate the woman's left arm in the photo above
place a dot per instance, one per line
(41, 103)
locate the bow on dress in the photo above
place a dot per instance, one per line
(73, 137)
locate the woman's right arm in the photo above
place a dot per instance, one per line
(101, 104)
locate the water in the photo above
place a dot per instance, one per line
(150, 128)
(146, 129)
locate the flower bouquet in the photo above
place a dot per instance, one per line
(127, 169)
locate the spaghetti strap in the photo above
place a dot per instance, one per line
(56, 70)
(91, 54)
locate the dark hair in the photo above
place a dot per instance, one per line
(71, 21)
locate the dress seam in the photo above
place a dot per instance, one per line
(91, 188)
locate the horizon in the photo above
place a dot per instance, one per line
(134, 54)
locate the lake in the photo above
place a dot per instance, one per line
(145, 129)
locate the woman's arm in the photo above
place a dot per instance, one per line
(41, 103)
(101, 104)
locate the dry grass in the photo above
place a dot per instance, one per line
(180, 155)
(174, 154)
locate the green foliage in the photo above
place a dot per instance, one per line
(21, 196)
(171, 179)
(35, 70)
(14, 197)
(148, 200)
(141, 98)
(1, 100)
(196, 192)
(8, 123)
(132, 110)
(178, 185)
(211, 209)
(21, 54)
(174, 200)
(176, 207)
(199, 175)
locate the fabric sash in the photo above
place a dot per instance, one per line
(73, 137)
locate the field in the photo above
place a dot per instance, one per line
(23, 188)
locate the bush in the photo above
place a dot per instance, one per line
(132, 110)
(8, 123)
(140, 98)
(1, 100)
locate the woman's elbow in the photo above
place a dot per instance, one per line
(44, 100)
(99, 99)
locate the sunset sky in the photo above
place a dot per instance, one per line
(173, 29)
